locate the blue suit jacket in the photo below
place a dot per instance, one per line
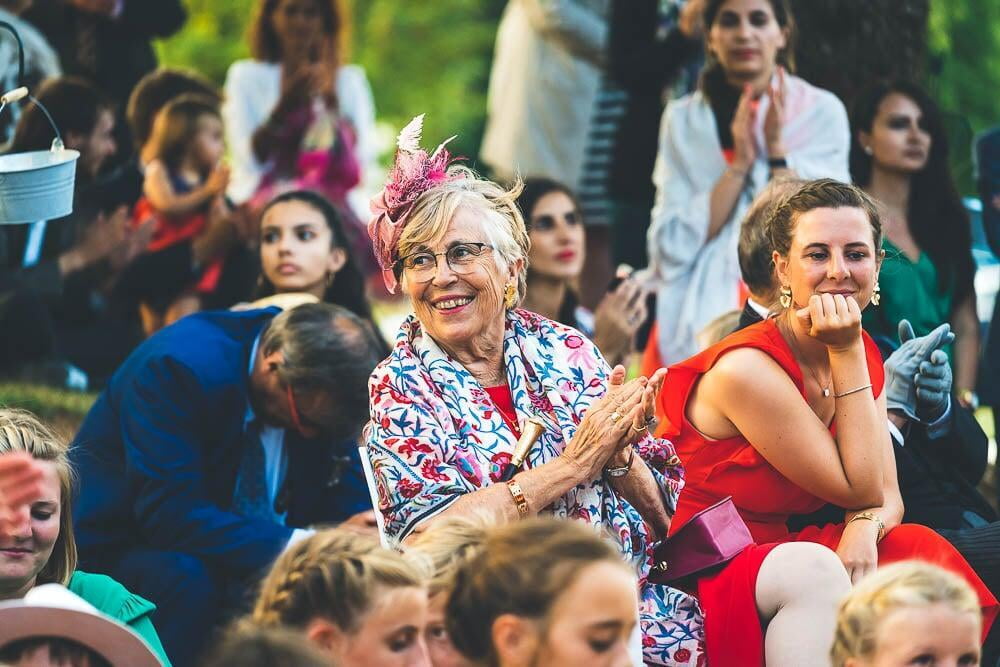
(157, 456)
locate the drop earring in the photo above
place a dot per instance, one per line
(509, 295)
(785, 298)
(868, 150)
(876, 294)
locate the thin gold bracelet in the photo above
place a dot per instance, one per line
(852, 391)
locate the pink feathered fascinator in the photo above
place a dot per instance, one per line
(414, 173)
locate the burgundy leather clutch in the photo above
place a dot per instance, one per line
(713, 536)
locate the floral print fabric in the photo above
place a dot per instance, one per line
(435, 436)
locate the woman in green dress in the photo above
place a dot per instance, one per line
(37, 546)
(899, 155)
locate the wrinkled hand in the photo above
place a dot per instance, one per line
(744, 146)
(20, 484)
(599, 436)
(832, 319)
(933, 384)
(858, 549)
(903, 366)
(774, 120)
(617, 317)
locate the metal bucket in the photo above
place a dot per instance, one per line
(37, 185)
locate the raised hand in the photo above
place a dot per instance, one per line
(933, 387)
(832, 319)
(774, 120)
(903, 365)
(20, 484)
(617, 317)
(744, 147)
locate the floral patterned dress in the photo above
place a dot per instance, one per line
(435, 435)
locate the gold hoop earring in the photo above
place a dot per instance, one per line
(876, 294)
(509, 295)
(785, 298)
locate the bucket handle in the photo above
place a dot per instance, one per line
(21, 91)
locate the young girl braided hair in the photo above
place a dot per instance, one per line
(362, 604)
(908, 613)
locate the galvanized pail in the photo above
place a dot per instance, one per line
(37, 185)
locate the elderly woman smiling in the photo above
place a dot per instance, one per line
(468, 367)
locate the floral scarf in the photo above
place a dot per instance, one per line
(436, 435)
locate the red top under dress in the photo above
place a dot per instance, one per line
(764, 497)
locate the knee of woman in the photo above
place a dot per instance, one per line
(807, 571)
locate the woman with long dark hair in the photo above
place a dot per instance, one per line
(303, 250)
(899, 155)
(558, 245)
(749, 121)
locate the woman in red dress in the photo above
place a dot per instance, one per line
(788, 414)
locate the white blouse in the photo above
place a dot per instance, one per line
(698, 278)
(253, 89)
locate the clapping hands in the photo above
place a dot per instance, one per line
(918, 376)
(20, 484)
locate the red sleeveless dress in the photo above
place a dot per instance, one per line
(764, 497)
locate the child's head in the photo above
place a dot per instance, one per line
(188, 129)
(444, 547)
(155, 90)
(362, 604)
(906, 614)
(246, 645)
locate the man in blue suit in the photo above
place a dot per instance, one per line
(221, 439)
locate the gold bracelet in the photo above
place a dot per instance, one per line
(870, 516)
(853, 391)
(518, 495)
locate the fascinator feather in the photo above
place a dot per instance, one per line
(413, 173)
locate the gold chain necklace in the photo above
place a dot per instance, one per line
(825, 388)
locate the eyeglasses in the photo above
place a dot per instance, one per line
(461, 258)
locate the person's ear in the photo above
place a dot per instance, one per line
(273, 361)
(326, 635)
(865, 139)
(783, 42)
(515, 640)
(338, 257)
(780, 269)
(515, 270)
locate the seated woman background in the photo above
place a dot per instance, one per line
(544, 592)
(39, 549)
(468, 367)
(908, 614)
(813, 366)
(900, 157)
(363, 605)
(558, 247)
(304, 256)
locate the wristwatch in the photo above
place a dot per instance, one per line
(621, 471)
(969, 399)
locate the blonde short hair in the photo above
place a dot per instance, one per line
(897, 586)
(21, 431)
(445, 546)
(500, 217)
(334, 574)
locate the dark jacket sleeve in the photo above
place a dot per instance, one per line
(966, 445)
(44, 277)
(163, 422)
(638, 59)
(153, 18)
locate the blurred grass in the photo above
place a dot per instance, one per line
(63, 410)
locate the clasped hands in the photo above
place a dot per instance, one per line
(615, 422)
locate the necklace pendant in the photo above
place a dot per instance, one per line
(826, 392)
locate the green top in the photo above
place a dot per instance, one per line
(114, 600)
(909, 291)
